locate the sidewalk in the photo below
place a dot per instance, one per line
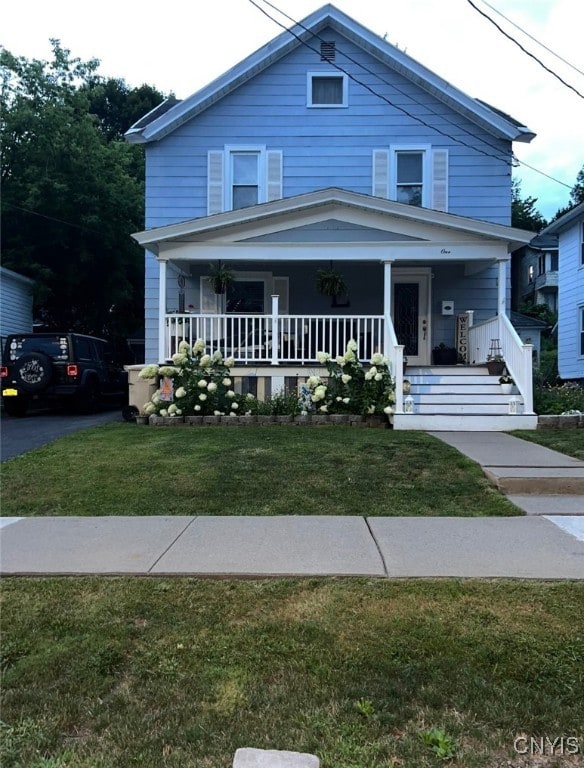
(548, 543)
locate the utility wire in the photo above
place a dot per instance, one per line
(513, 160)
(549, 50)
(52, 218)
(513, 40)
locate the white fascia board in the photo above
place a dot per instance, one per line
(329, 197)
(434, 252)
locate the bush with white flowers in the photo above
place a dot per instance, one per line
(350, 386)
(201, 384)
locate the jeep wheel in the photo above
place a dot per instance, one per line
(15, 406)
(33, 372)
(88, 400)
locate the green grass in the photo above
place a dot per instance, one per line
(109, 673)
(568, 441)
(122, 469)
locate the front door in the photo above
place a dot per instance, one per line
(411, 312)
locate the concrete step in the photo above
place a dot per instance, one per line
(454, 382)
(446, 370)
(476, 409)
(568, 481)
(463, 422)
(467, 387)
(460, 391)
(454, 396)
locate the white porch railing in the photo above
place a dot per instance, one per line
(275, 339)
(517, 355)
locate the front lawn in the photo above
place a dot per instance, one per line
(568, 441)
(123, 469)
(114, 673)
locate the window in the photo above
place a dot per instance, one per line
(581, 310)
(530, 273)
(582, 244)
(328, 89)
(409, 177)
(244, 179)
(241, 176)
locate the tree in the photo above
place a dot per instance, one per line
(576, 195)
(523, 212)
(72, 193)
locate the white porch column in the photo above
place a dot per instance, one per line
(386, 307)
(275, 334)
(502, 288)
(161, 310)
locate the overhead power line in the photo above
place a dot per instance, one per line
(385, 99)
(528, 53)
(549, 50)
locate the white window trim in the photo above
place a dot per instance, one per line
(230, 149)
(327, 73)
(580, 329)
(426, 149)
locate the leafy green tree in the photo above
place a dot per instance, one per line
(72, 192)
(523, 212)
(576, 195)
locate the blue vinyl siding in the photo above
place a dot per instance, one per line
(570, 300)
(324, 147)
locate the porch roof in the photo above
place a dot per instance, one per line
(269, 231)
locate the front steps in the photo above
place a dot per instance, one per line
(459, 398)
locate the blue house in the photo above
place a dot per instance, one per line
(570, 231)
(330, 150)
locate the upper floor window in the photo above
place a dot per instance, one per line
(327, 89)
(409, 177)
(244, 188)
(530, 273)
(242, 176)
(582, 244)
(412, 174)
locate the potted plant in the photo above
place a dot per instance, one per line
(495, 365)
(220, 277)
(330, 283)
(506, 383)
(444, 355)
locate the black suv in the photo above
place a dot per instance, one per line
(59, 368)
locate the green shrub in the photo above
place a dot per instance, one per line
(560, 398)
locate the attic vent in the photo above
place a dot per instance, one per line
(327, 50)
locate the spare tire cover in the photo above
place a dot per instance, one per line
(33, 371)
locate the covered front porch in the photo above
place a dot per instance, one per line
(416, 279)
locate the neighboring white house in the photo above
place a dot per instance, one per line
(15, 303)
(570, 229)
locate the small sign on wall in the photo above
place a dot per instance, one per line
(462, 337)
(448, 307)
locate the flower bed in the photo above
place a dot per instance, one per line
(196, 390)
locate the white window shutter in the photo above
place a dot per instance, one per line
(380, 173)
(215, 176)
(440, 180)
(273, 175)
(281, 288)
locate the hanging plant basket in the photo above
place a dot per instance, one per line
(220, 278)
(330, 283)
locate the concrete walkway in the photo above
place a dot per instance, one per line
(548, 543)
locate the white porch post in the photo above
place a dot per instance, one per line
(161, 310)
(275, 334)
(502, 288)
(386, 307)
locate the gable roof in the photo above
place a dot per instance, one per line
(290, 211)
(567, 220)
(490, 119)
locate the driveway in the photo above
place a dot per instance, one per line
(19, 435)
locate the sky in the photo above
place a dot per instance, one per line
(181, 45)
